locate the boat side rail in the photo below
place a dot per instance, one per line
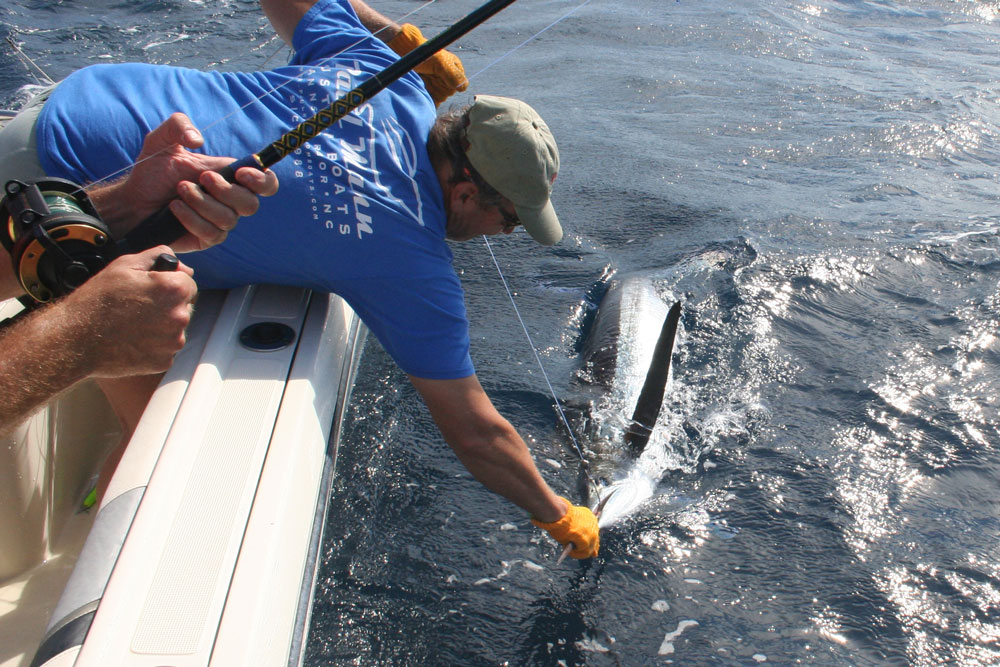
(219, 500)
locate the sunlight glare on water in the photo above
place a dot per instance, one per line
(816, 182)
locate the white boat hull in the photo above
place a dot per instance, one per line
(203, 548)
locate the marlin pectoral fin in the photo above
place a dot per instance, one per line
(647, 408)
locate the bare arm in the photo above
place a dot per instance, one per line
(487, 445)
(126, 320)
(381, 26)
(284, 15)
(39, 359)
(442, 73)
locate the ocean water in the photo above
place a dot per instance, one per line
(817, 182)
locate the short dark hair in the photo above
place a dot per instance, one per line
(446, 143)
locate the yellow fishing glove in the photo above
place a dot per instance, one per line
(442, 73)
(579, 526)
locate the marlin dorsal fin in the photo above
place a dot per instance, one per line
(647, 408)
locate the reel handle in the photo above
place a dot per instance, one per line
(163, 227)
(165, 262)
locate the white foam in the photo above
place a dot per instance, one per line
(667, 647)
(591, 645)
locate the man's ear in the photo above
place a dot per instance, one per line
(463, 194)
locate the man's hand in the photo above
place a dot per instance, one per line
(577, 527)
(131, 319)
(167, 171)
(127, 320)
(442, 73)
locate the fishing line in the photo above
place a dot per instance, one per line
(538, 360)
(533, 37)
(29, 64)
(264, 94)
(541, 367)
(273, 54)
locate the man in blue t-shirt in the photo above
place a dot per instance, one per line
(364, 209)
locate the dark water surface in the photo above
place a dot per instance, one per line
(817, 181)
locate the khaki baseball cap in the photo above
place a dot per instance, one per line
(513, 150)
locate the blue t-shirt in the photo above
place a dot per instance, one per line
(359, 210)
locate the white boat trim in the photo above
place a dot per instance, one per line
(203, 550)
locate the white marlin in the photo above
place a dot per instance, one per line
(627, 355)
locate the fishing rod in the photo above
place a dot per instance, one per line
(164, 228)
(57, 240)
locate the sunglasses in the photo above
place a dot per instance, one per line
(510, 220)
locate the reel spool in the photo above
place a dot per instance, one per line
(55, 237)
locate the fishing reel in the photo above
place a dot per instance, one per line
(55, 237)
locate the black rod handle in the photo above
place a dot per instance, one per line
(163, 227)
(229, 171)
(165, 262)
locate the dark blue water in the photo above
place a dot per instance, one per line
(817, 181)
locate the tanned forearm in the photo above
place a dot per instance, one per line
(285, 15)
(488, 445)
(384, 28)
(126, 320)
(502, 463)
(41, 356)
